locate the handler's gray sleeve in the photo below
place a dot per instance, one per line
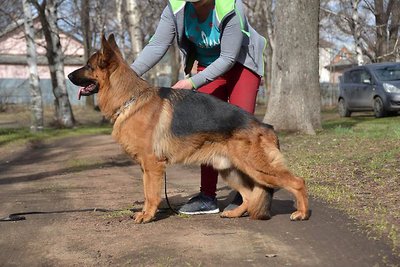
(158, 45)
(231, 42)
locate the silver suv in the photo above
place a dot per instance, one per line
(372, 87)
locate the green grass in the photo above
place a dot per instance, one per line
(354, 164)
(24, 135)
(365, 126)
(118, 214)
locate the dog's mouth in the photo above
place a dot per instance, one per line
(87, 90)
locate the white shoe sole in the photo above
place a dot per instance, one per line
(199, 212)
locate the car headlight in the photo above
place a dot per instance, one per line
(390, 88)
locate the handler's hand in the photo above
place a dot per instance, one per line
(183, 84)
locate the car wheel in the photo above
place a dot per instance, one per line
(379, 109)
(342, 109)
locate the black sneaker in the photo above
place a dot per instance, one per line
(237, 201)
(200, 204)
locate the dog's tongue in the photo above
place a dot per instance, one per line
(80, 92)
(85, 90)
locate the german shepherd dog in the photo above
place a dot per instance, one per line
(160, 126)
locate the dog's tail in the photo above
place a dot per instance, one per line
(260, 203)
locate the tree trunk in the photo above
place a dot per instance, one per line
(87, 40)
(120, 28)
(48, 17)
(268, 72)
(294, 103)
(99, 20)
(356, 29)
(387, 17)
(36, 94)
(394, 37)
(381, 33)
(263, 8)
(175, 63)
(135, 32)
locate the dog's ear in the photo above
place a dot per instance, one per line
(106, 53)
(103, 43)
(113, 44)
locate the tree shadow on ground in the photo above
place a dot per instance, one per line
(346, 122)
(45, 174)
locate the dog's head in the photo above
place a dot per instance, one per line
(98, 68)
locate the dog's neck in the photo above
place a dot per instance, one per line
(123, 88)
(124, 107)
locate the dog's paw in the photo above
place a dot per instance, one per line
(142, 217)
(230, 214)
(299, 216)
(227, 214)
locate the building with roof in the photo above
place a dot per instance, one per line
(342, 60)
(14, 72)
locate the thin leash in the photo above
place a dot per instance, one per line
(166, 195)
(19, 216)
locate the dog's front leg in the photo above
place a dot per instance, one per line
(153, 171)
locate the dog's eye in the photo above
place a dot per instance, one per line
(89, 67)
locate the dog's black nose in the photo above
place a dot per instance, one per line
(70, 76)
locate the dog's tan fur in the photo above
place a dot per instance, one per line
(248, 160)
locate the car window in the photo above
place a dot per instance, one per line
(350, 76)
(364, 76)
(356, 76)
(391, 73)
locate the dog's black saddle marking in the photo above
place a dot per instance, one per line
(268, 126)
(165, 92)
(197, 112)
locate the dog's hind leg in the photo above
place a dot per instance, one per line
(153, 171)
(236, 180)
(260, 202)
(284, 179)
(264, 163)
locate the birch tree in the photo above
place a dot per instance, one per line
(134, 17)
(120, 25)
(294, 102)
(100, 19)
(47, 11)
(356, 29)
(34, 88)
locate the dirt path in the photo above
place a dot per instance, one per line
(92, 172)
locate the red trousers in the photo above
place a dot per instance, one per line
(239, 87)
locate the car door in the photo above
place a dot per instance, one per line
(365, 89)
(345, 87)
(354, 88)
